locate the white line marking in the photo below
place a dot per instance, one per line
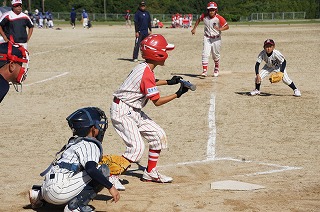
(279, 167)
(51, 78)
(66, 47)
(211, 151)
(211, 145)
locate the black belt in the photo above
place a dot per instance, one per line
(214, 37)
(116, 100)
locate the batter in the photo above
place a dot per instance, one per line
(130, 122)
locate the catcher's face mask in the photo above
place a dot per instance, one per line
(17, 54)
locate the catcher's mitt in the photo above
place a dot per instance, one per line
(116, 163)
(276, 77)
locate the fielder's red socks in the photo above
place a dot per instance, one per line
(153, 159)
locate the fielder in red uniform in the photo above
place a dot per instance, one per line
(130, 122)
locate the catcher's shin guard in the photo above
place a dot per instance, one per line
(81, 201)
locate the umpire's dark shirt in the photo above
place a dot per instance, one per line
(142, 21)
(4, 88)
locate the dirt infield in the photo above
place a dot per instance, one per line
(215, 133)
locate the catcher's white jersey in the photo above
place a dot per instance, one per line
(273, 61)
(60, 184)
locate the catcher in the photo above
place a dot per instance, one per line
(74, 177)
(275, 62)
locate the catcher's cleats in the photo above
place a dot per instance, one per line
(35, 200)
(276, 77)
(155, 176)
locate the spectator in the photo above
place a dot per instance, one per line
(13, 25)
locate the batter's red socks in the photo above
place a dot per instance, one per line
(153, 159)
(205, 68)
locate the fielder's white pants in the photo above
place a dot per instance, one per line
(133, 125)
(265, 71)
(213, 46)
(85, 22)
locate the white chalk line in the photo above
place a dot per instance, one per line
(211, 150)
(45, 80)
(66, 47)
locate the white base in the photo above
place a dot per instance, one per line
(235, 185)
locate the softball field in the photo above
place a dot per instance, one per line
(216, 133)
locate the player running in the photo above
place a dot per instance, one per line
(276, 62)
(213, 25)
(130, 122)
(74, 177)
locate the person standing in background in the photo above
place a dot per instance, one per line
(142, 25)
(13, 25)
(85, 19)
(73, 16)
(127, 16)
(214, 24)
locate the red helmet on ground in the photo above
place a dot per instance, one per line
(154, 48)
(212, 5)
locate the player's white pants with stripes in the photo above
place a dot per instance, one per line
(133, 125)
(63, 186)
(265, 71)
(213, 46)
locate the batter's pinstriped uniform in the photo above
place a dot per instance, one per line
(273, 63)
(130, 122)
(60, 184)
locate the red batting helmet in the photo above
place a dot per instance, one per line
(212, 5)
(154, 48)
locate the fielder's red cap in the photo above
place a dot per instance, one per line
(269, 41)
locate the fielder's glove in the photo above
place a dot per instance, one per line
(174, 80)
(116, 163)
(276, 77)
(181, 90)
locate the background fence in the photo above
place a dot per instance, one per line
(275, 16)
(167, 17)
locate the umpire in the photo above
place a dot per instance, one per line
(142, 25)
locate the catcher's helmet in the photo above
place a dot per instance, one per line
(83, 119)
(212, 5)
(154, 48)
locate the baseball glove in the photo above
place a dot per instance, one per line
(116, 163)
(276, 77)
